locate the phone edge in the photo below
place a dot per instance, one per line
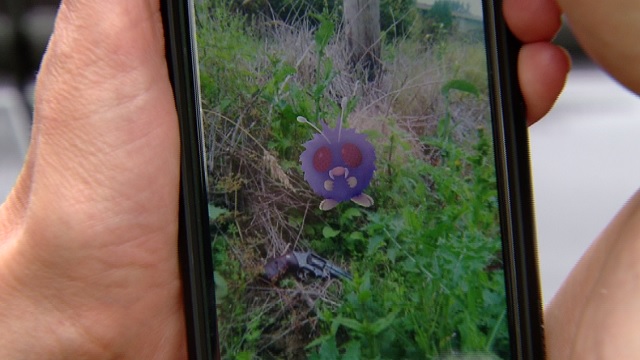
(196, 266)
(515, 187)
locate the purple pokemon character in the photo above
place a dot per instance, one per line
(338, 164)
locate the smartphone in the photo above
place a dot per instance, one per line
(355, 181)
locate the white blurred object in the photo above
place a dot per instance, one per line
(14, 137)
(585, 167)
(14, 110)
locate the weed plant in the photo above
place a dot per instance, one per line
(426, 258)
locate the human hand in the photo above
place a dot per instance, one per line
(542, 66)
(607, 30)
(595, 313)
(604, 29)
(88, 253)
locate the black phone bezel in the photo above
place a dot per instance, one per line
(515, 187)
(512, 169)
(195, 260)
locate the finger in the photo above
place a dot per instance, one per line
(532, 20)
(542, 71)
(607, 31)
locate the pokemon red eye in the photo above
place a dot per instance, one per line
(351, 155)
(322, 159)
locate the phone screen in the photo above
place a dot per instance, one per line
(352, 187)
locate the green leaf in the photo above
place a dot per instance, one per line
(444, 126)
(323, 34)
(383, 323)
(391, 255)
(364, 296)
(245, 355)
(350, 214)
(328, 350)
(282, 72)
(221, 287)
(319, 341)
(374, 243)
(352, 351)
(329, 233)
(365, 284)
(460, 85)
(350, 323)
(224, 104)
(215, 212)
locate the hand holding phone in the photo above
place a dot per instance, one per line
(92, 94)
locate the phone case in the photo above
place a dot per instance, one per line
(344, 169)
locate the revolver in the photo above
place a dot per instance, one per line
(303, 263)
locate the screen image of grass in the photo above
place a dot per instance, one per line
(426, 258)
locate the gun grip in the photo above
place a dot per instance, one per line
(277, 267)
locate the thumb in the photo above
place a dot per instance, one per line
(92, 223)
(105, 142)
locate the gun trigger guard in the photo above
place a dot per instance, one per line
(303, 274)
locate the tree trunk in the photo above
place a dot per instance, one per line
(362, 28)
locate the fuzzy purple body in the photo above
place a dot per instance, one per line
(340, 166)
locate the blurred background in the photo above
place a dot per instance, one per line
(584, 156)
(25, 27)
(583, 153)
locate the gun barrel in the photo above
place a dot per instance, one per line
(338, 272)
(326, 268)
